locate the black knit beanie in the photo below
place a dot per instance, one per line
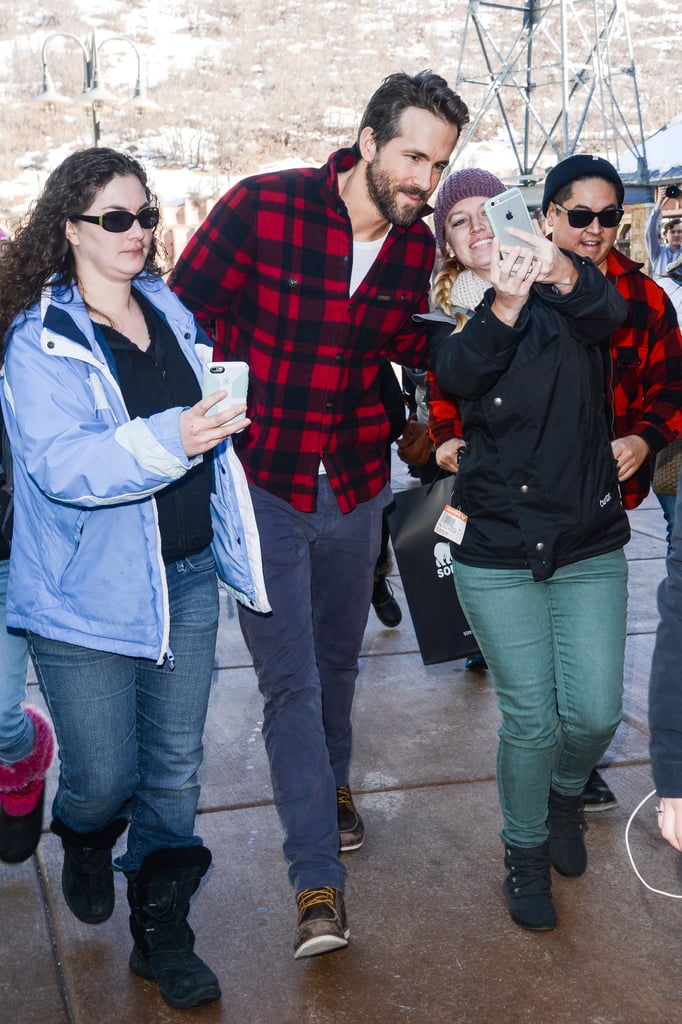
(580, 167)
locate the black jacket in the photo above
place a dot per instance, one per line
(665, 686)
(538, 480)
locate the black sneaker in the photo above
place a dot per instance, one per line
(596, 795)
(351, 827)
(321, 925)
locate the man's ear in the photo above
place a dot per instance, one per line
(367, 144)
(549, 216)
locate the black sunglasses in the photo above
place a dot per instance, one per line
(122, 220)
(609, 218)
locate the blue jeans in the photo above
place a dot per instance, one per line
(556, 651)
(17, 734)
(319, 574)
(667, 503)
(130, 731)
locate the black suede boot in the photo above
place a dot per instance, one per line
(159, 895)
(528, 887)
(567, 828)
(87, 874)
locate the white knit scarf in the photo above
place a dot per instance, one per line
(468, 289)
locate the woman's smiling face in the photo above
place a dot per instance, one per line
(468, 234)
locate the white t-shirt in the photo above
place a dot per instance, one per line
(364, 255)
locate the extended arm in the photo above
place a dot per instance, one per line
(651, 234)
(75, 439)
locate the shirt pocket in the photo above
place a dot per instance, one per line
(383, 313)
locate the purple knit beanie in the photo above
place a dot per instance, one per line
(470, 181)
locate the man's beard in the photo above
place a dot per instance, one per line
(384, 194)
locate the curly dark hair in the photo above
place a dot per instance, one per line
(39, 251)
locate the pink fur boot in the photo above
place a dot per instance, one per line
(22, 793)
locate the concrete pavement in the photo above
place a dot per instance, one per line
(432, 942)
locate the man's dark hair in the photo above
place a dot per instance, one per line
(399, 91)
(672, 223)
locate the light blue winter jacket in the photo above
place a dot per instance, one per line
(86, 554)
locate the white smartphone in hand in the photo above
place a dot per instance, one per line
(509, 210)
(232, 377)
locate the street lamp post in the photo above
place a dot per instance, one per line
(94, 94)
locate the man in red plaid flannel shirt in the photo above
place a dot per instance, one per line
(312, 276)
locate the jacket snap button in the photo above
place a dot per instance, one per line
(497, 401)
(540, 546)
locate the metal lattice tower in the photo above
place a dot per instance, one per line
(561, 74)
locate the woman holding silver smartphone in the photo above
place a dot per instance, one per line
(538, 552)
(112, 573)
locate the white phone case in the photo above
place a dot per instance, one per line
(232, 377)
(509, 210)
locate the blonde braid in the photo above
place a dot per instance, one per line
(442, 289)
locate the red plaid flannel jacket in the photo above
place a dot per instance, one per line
(644, 378)
(269, 272)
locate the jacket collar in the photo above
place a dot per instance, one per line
(63, 311)
(618, 264)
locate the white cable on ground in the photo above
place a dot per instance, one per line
(660, 892)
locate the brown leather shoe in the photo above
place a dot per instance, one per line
(351, 826)
(321, 925)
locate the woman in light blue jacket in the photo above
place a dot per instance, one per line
(125, 490)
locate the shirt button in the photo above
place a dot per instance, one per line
(540, 546)
(345, 259)
(329, 405)
(293, 281)
(497, 401)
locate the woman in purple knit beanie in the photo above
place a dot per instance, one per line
(470, 181)
(515, 376)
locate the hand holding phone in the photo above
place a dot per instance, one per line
(232, 377)
(509, 210)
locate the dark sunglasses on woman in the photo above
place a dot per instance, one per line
(122, 220)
